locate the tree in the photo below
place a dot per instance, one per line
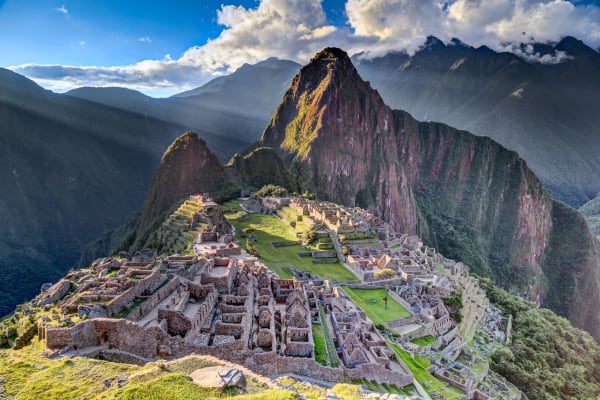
(309, 237)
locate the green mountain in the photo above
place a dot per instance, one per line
(466, 195)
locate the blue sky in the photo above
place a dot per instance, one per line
(164, 47)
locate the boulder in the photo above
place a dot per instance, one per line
(55, 293)
(145, 256)
(45, 286)
(219, 377)
(92, 311)
(125, 255)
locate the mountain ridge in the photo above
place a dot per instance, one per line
(464, 194)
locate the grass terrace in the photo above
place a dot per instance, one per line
(418, 366)
(371, 301)
(424, 341)
(269, 229)
(385, 388)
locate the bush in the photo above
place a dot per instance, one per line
(385, 273)
(271, 191)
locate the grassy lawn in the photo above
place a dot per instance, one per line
(269, 229)
(319, 339)
(424, 341)
(334, 360)
(418, 366)
(371, 301)
(28, 375)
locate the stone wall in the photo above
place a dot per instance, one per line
(272, 364)
(81, 335)
(378, 373)
(153, 300)
(124, 300)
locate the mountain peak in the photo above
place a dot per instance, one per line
(433, 42)
(187, 167)
(331, 54)
(574, 47)
(328, 83)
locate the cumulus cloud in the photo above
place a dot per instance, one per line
(145, 39)
(293, 29)
(296, 29)
(499, 24)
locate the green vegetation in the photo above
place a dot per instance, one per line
(385, 388)
(346, 391)
(385, 273)
(178, 386)
(174, 234)
(424, 341)
(418, 366)
(548, 358)
(271, 191)
(320, 349)
(454, 304)
(328, 347)
(27, 375)
(268, 229)
(371, 301)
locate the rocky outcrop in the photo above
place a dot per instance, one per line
(219, 377)
(336, 135)
(54, 293)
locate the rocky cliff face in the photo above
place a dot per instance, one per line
(464, 194)
(336, 134)
(187, 167)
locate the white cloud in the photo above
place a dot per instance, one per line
(293, 29)
(63, 9)
(296, 29)
(82, 43)
(499, 24)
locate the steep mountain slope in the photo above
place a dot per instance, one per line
(233, 109)
(187, 167)
(591, 212)
(545, 112)
(464, 194)
(69, 170)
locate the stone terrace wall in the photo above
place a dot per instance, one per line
(379, 374)
(272, 364)
(156, 298)
(123, 300)
(82, 335)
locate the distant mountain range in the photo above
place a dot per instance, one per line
(548, 113)
(75, 165)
